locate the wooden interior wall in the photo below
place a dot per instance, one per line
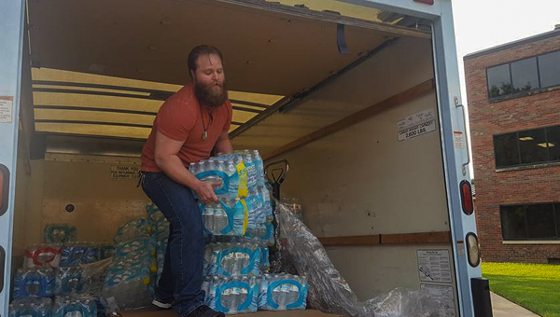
(101, 203)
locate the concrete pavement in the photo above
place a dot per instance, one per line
(504, 308)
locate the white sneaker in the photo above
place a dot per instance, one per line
(161, 305)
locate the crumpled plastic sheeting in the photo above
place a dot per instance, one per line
(93, 275)
(328, 290)
(402, 302)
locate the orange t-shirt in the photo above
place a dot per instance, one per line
(180, 118)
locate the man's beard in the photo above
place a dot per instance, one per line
(209, 96)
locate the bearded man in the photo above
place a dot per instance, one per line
(188, 126)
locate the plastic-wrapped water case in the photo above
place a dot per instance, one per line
(161, 228)
(131, 288)
(42, 255)
(93, 276)
(60, 233)
(228, 170)
(136, 228)
(227, 217)
(34, 282)
(263, 232)
(282, 292)
(31, 307)
(232, 295)
(75, 306)
(264, 261)
(153, 212)
(137, 246)
(92, 253)
(209, 259)
(68, 280)
(255, 210)
(106, 251)
(229, 259)
(73, 254)
(141, 259)
(160, 225)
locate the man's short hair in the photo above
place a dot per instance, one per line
(202, 50)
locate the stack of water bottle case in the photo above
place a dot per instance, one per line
(239, 231)
(52, 281)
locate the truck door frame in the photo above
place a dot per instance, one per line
(11, 44)
(452, 119)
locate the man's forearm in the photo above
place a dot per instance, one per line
(173, 167)
(223, 146)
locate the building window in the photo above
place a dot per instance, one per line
(549, 68)
(529, 147)
(524, 75)
(506, 150)
(499, 81)
(531, 222)
(532, 146)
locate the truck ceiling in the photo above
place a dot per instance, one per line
(103, 68)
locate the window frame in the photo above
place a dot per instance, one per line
(488, 81)
(525, 214)
(548, 161)
(539, 69)
(514, 95)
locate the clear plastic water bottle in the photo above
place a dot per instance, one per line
(200, 166)
(259, 168)
(227, 262)
(284, 294)
(234, 299)
(208, 217)
(221, 165)
(244, 258)
(243, 292)
(293, 291)
(236, 257)
(221, 220)
(276, 291)
(227, 298)
(251, 171)
(231, 168)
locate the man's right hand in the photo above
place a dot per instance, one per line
(205, 191)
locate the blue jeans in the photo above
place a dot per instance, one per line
(181, 280)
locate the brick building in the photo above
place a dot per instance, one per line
(513, 94)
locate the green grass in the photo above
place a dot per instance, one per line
(533, 286)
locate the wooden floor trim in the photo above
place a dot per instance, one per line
(390, 239)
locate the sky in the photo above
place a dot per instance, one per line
(481, 24)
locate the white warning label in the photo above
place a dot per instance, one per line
(458, 139)
(124, 172)
(443, 293)
(416, 125)
(434, 266)
(6, 109)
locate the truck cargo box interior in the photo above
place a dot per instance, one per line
(346, 94)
